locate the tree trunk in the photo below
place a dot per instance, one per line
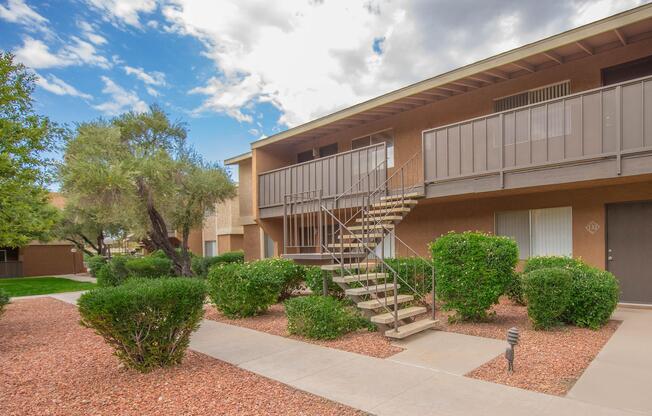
(159, 230)
(186, 263)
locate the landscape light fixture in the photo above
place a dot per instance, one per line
(512, 340)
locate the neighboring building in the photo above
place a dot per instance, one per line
(42, 259)
(550, 143)
(222, 230)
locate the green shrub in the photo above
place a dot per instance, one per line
(287, 274)
(473, 270)
(322, 317)
(415, 274)
(548, 294)
(238, 291)
(149, 267)
(147, 322)
(594, 297)
(514, 290)
(4, 301)
(314, 279)
(201, 265)
(94, 264)
(113, 272)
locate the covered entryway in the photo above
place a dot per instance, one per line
(629, 249)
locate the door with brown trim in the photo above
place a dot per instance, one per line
(629, 249)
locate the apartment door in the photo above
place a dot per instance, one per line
(629, 249)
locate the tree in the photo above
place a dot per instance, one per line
(25, 211)
(137, 169)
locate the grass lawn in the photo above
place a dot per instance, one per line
(25, 286)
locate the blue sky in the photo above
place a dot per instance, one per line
(239, 70)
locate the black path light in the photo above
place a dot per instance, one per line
(512, 340)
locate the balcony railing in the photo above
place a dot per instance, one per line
(330, 176)
(613, 122)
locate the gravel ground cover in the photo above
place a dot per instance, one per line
(546, 361)
(275, 322)
(50, 365)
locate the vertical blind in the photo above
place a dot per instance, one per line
(210, 248)
(538, 232)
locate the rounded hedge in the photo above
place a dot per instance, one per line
(241, 290)
(4, 301)
(322, 317)
(415, 274)
(287, 274)
(94, 264)
(114, 272)
(473, 270)
(314, 279)
(548, 294)
(147, 322)
(201, 265)
(594, 293)
(514, 290)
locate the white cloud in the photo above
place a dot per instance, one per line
(151, 91)
(121, 99)
(16, 11)
(59, 87)
(36, 54)
(124, 12)
(311, 58)
(153, 78)
(89, 32)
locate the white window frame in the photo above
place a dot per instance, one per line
(214, 246)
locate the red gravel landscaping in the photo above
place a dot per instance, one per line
(275, 322)
(546, 361)
(50, 365)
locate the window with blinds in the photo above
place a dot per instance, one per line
(538, 232)
(534, 96)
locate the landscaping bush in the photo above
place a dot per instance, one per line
(548, 294)
(147, 322)
(287, 274)
(473, 271)
(313, 277)
(4, 301)
(413, 271)
(201, 265)
(94, 264)
(322, 317)
(149, 267)
(237, 291)
(514, 290)
(594, 297)
(593, 293)
(113, 272)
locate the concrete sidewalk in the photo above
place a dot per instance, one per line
(382, 387)
(621, 375)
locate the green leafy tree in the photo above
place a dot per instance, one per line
(137, 170)
(25, 211)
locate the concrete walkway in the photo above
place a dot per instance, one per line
(382, 387)
(621, 374)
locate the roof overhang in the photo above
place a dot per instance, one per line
(596, 37)
(237, 159)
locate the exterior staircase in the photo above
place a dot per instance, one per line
(351, 231)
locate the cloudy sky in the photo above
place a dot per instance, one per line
(238, 70)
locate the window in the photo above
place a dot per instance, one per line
(305, 156)
(387, 248)
(534, 96)
(629, 70)
(210, 248)
(538, 232)
(3, 256)
(377, 138)
(268, 246)
(328, 150)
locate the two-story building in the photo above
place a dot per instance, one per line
(550, 143)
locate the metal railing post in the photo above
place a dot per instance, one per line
(433, 290)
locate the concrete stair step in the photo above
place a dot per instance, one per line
(352, 245)
(394, 210)
(394, 203)
(368, 290)
(379, 303)
(359, 277)
(410, 329)
(359, 235)
(369, 227)
(388, 318)
(349, 266)
(410, 195)
(379, 219)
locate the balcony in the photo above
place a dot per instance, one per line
(363, 169)
(596, 134)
